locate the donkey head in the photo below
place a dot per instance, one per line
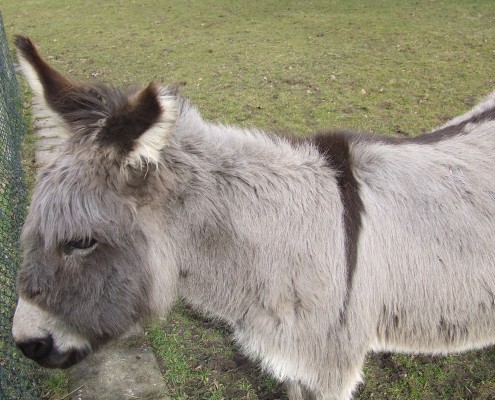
(88, 237)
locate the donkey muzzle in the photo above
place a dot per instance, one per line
(45, 339)
(46, 354)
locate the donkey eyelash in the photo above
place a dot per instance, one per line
(82, 244)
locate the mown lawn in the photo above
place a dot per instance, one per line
(386, 66)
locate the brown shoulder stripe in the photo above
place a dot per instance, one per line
(335, 148)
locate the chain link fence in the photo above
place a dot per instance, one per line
(16, 374)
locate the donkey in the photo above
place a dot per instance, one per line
(315, 251)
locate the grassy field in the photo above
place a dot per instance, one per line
(386, 66)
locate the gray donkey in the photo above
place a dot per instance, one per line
(315, 251)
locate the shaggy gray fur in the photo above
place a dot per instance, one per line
(250, 228)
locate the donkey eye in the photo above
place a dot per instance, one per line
(83, 244)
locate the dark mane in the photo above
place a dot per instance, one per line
(327, 139)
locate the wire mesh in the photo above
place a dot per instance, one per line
(16, 375)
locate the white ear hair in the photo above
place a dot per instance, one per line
(149, 144)
(31, 76)
(34, 81)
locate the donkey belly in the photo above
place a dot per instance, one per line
(440, 317)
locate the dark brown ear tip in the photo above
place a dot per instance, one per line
(150, 91)
(153, 88)
(24, 44)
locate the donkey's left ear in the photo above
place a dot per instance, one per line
(141, 127)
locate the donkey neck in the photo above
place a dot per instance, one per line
(234, 189)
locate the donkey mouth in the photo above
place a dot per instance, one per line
(45, 354)
(63, 360)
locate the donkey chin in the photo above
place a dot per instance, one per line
(45, 339)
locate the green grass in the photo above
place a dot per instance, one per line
(28, 144)
(386, 66)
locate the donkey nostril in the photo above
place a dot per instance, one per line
(36, 349)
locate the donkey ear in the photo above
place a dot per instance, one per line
(43, 79)
(141, 127)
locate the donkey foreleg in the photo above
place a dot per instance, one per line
(296, 391)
